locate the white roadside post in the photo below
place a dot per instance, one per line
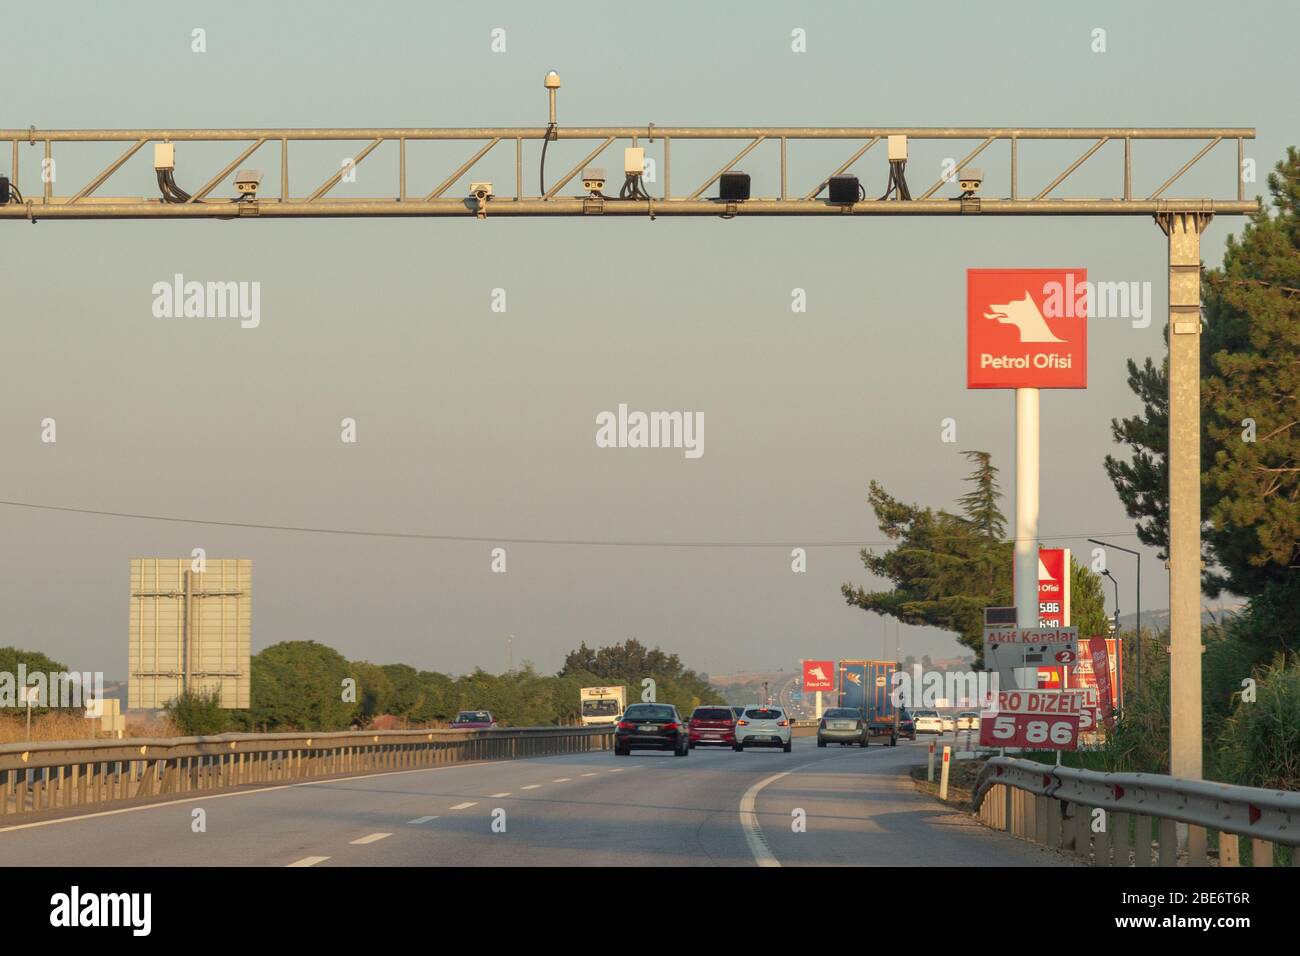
(31, 695)
(819, 705)
(1026, 545)
(943, 779)
(929, 770)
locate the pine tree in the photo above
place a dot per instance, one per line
(980, 506)
(1250, 383)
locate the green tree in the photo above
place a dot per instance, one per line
(632, 662)
(408, 690)
(375, 692)
(1087, 601)
(33, 662)
(299, 685)
(1250, 453)
(946, 567)
(980, 504)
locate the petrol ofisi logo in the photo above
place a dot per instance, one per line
(1026, 328)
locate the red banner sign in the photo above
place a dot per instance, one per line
(1094, 672)
(1026, 328)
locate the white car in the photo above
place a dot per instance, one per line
(927, 721)
(763, 726)
(968, 720)
(949, 723)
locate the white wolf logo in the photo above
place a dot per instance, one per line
(1024, 315)
(816, 673)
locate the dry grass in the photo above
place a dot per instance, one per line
(61, 725)
(52, 725)
(962, 775)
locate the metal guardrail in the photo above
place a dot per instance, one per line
(1054, 806)
(43, 776)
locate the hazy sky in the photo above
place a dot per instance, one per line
(482, 424)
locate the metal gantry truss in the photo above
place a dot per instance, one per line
(41, 202)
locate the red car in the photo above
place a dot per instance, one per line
(474, 720)
(712, 725)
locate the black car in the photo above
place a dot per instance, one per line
(906, 725)
(652, 727)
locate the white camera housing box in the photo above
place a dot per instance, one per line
(247, 181)
(593, 179)
(897, 147)
(970, 179)
(481, 191)
(164, 156)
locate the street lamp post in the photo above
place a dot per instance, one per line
(1138, 654)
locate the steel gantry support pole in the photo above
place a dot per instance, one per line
(1184, 233)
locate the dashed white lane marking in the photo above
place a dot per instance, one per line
(592, 774)
(463, 806)
(506, 794)
(531, 786)
(370, 838)
(561, 780)
(617, 770)
(763, 855)
(421, 820)
(308, 861)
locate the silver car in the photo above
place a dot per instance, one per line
(843, 726)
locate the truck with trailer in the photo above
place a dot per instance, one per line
(602, 706)
(868, 686)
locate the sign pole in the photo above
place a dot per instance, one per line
(1026, 544)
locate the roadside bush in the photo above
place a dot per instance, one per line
(198, 714)
(1260, 742)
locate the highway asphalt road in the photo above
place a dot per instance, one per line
(714, 807)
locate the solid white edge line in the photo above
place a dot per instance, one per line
(248, 793)
(750, 826)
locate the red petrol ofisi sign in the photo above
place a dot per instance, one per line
(1026, 328)
(818, 675)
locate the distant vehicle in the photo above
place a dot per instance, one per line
(968, 720)
(868, 685)
(843, 726)
(763, 726)
(949, 723)
(906, 725)
(474, 720)
(602, 706)
(927, 721)
(652, 727)
(712, 725)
